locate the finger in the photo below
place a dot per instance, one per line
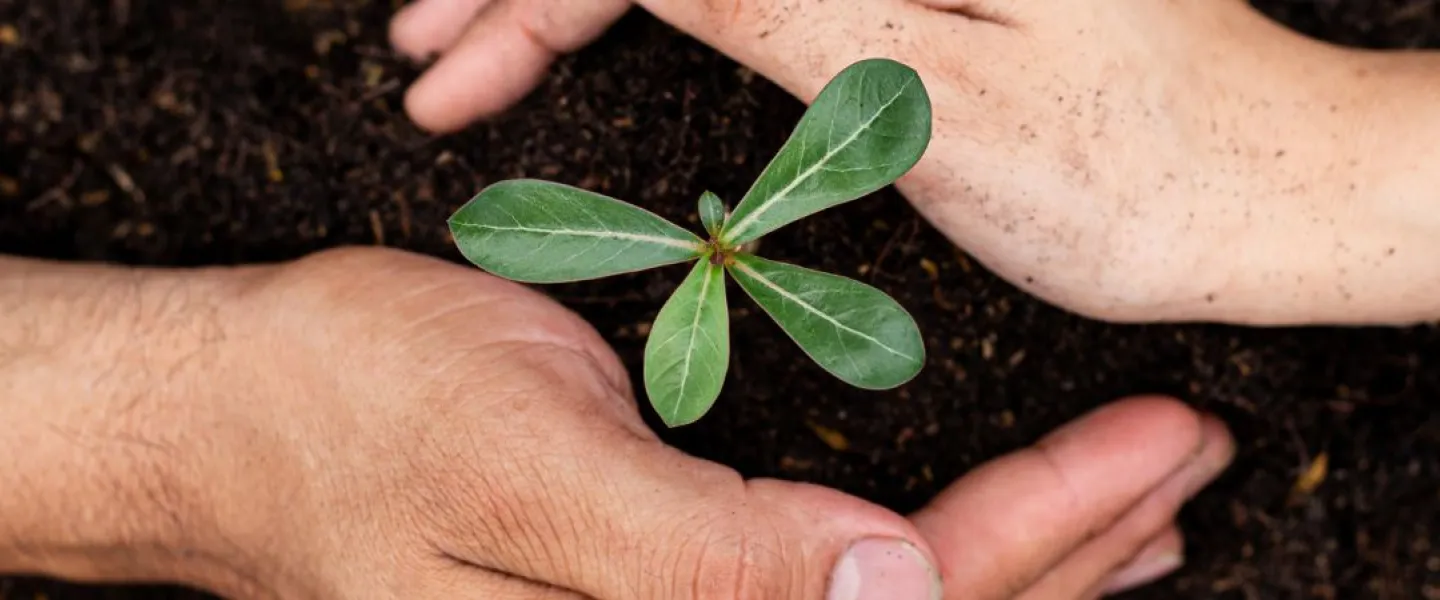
(613, 516)
(1161, 556)
(427, 28)
(1090, 565)
(802, 44)
(502, 57)
(1002, 526)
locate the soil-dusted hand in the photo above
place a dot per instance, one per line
(372, 424)
(1127, 159)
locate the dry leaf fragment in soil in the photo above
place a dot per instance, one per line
(1311, 478)
(832, 438)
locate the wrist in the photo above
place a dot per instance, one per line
(101, 375)
(1357, 241)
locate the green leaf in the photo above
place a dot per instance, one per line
(867, 127)
(688, 351)
(712, 213)
(542, 232)
(852, 330)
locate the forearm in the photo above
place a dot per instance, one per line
(1391, 262)
(1362, 246)
(94, 362)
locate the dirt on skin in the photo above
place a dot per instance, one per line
(203, 132)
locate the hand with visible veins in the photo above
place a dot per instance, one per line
(1129, 160)
(367, 423)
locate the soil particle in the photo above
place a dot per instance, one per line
(203, 132)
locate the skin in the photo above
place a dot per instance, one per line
(1095, 154)
(366, 423)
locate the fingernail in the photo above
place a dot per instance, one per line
(1143, 572)
(1207, 468)
(884, 569)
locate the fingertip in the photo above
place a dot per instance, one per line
(424, 29)
(1164, 411)
(1165, 415)
(402, 33)
(1210, 440)
(477, 80)
(1169, 423)
(425, 110)
(1217, 435)
(493, 60)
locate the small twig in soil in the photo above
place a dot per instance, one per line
(380, 90)
(376, 228)
(404, 214)
(890, 244)
(57, 193)
(125, 182)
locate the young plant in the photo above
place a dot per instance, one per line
(868, 127)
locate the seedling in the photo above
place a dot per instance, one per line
(864, 130)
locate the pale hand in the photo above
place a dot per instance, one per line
(1130, 160)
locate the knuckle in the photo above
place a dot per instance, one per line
(747, 14)
(1065, 497)
(548, 391)
(566, 25)
(327, 274)
(732, 555)
(560, 342)
(344, 257)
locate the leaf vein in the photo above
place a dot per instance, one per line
(614, 235)
(762, 280)
(690, 347)
(810, 172)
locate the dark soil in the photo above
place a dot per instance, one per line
(201, 132)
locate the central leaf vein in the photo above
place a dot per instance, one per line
(818, 166)
(817, 312)
(690, 347)
(612, 235)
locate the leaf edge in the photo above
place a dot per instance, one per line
(706, 266)
(451, 227)
(726, 234)
(919, 360)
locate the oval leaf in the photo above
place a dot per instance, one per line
(852, 330)
(712, 213)
(542, 232)
(688, 351)
(867, 127)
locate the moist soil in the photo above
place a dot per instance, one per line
(210, 132)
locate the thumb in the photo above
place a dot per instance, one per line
(825, 544)
(634, 519)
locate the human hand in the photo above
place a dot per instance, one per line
(1130, 161)
(373, 424)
